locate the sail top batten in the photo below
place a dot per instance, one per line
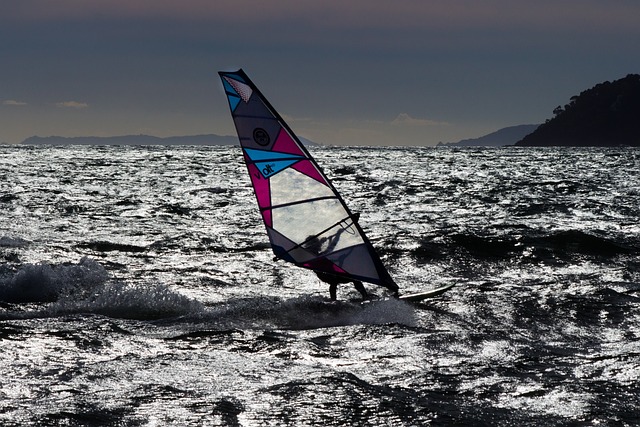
(307, 221)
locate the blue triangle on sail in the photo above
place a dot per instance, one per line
(262, 155)
(232, 95)
(233, 101)
(228, 88)
(269, 168)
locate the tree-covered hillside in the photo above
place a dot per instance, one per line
(606, 115)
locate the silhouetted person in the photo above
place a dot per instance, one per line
(326, 244)
(334, 281)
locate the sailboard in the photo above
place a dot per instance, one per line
(420, 296)
(307, 221)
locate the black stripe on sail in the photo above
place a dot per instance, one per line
(244, 116)
(275, 159)
(299, 202)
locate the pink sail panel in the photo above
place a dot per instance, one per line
(307, 168)
(285, 144)
(262, 190)
(323, 264)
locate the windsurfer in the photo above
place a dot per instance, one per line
(334, 281)
(301, 200)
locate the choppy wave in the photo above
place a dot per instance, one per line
(306, 312)
(137, 286)
(527, 244)
(13, 242)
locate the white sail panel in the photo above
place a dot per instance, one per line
(291, 186)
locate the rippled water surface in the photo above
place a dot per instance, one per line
(137, 288)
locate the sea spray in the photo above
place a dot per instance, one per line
(86, 287)
(122, 300)
(47, 283)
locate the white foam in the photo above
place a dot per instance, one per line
(130, 301)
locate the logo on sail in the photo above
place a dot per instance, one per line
(261, 137)
(270, 163)
(268, 170)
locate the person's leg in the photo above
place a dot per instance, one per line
(360, 287)
(332, 290)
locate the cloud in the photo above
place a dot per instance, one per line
(72, 104)
(14, 103)
(405, 119)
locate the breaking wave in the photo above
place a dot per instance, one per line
(86, 287)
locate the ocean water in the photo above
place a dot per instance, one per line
(137, 288)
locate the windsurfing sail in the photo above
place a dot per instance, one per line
(307, 221)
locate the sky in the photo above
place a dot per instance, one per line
(356, 72)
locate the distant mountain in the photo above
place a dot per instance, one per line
(606, 115)
(505, 136)
(210, 139)
(132, 140)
